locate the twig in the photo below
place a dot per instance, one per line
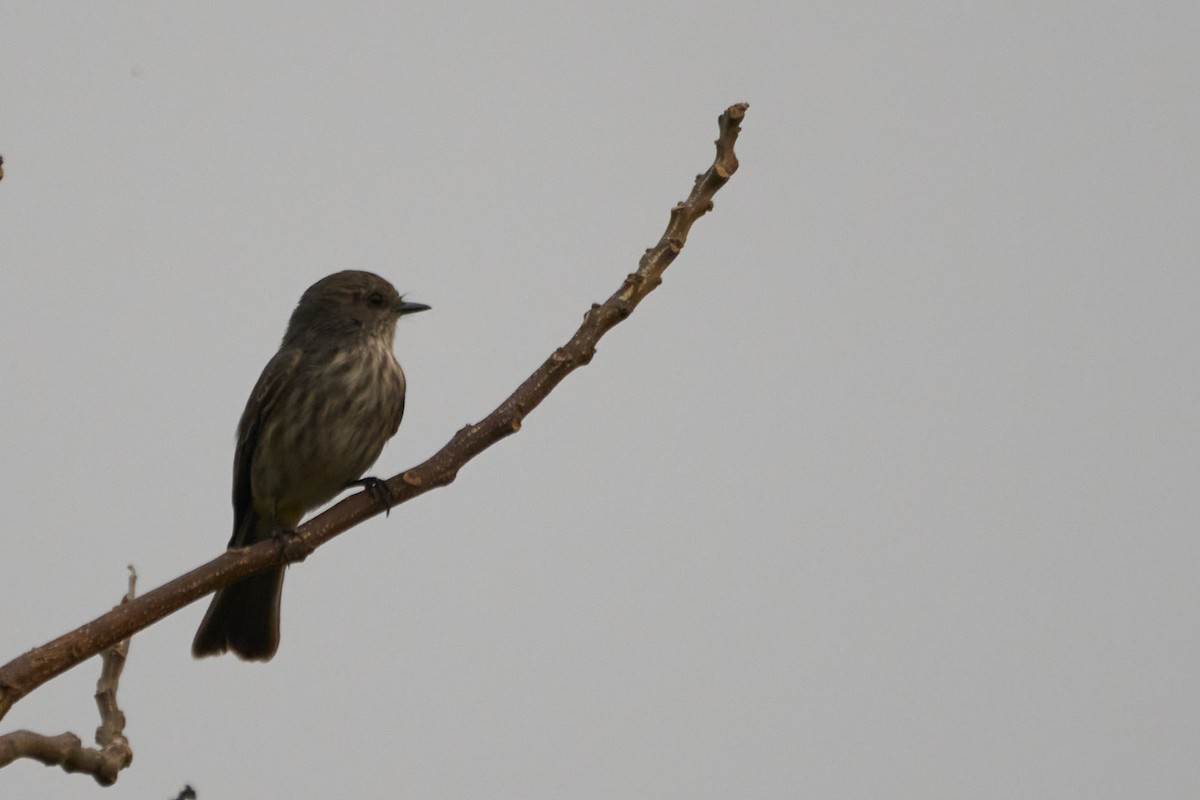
(25, 673)
(103, 763)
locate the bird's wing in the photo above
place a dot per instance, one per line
(397, 416)
(275, 376)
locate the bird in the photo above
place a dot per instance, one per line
(315, 422)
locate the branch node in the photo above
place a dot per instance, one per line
(411, 478)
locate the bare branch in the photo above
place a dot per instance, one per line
(114, 754)
(25, 673)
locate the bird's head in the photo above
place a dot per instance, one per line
(348, 305)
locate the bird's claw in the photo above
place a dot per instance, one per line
(287, 538)
(378, 489)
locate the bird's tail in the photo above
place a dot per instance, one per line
(243, 617)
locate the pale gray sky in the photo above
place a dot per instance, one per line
(890, 491)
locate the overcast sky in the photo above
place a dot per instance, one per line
(889, 491)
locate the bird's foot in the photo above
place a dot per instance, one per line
(289, 539)
(378, 489)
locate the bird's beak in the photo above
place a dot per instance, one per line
(410, 308)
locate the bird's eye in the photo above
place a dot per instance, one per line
(375, 299)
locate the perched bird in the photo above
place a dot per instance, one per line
(317, 419)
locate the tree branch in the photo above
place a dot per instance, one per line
(114, 754)
(25, 673)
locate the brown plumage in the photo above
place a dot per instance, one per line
(317, 419)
